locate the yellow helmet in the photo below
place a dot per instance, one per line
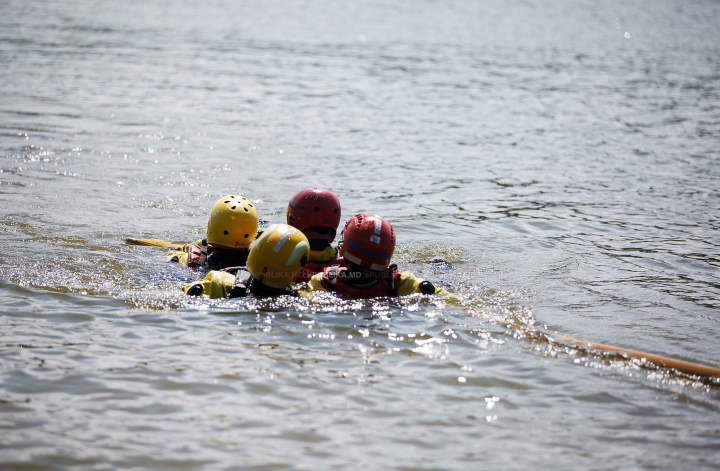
(278, 255)
(233, 222)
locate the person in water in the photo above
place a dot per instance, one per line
(316, 212)
(275, 259)
(231, 228)
(367, 247)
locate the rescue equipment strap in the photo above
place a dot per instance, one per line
(390, 272)
(242, 284)
(332, 276)
(197, 256)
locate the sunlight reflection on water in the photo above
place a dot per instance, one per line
(554, 165)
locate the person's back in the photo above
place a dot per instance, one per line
(367, 248)
(275, 258)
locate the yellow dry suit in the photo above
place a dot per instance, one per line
(275, 259)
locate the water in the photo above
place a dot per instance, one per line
(563, 158)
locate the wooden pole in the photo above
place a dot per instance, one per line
(680, 365)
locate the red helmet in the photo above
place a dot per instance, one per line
(368, 241)
(314, 207)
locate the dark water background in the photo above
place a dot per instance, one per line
(562, 156)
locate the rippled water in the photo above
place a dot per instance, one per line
(562, 156)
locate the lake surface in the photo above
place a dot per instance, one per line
(562, 158)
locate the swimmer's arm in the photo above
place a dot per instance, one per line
(179, 254)
(313, 284)
(216, 284)
(410, 284)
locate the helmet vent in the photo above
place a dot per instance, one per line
(317, 209)
(225, 232)
(250, 205)
(247, 235)
(246, 210)
(233, 208)
(335, 210)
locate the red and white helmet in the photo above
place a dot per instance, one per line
(313, 207)
(368, 241)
